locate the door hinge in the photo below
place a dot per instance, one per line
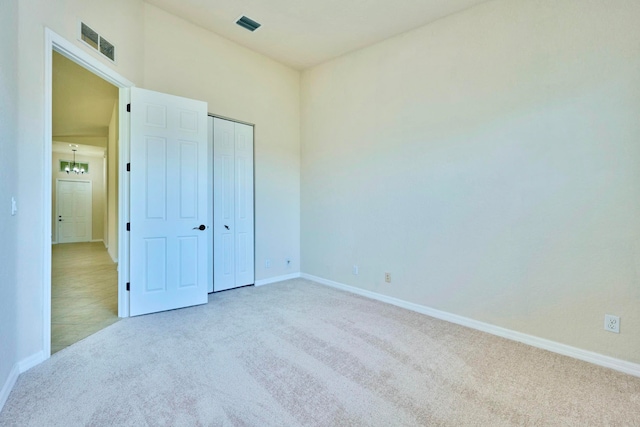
(128, 108)
(128, 167)
(128, 286)
(128, 226)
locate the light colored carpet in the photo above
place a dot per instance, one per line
(298, 353)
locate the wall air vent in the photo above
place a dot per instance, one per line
(96, 41)
(248, 23)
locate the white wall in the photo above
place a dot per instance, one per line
(96, 176)
(243, 85)
(235, 81)
(8, 188)
(120, 21)
(105, 212)
(489, 161)
(112, 185)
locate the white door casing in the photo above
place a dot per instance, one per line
(73, 211)
(168, 193)
(54, 42)
(233, 224)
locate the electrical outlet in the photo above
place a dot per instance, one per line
(387, 277)
(267, 263)
(14, 206)
(612, 323)
(355, 270)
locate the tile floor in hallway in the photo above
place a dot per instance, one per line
(84, 292)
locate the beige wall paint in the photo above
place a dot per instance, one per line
(243, 85)
(253, 88)
(96, 176)
(8, 188)
(120, 21)
(112, 185)
(490, 162)
(486, 160)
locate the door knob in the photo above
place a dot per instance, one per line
(226, 226)
(201, 228)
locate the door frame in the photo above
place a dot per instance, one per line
(54, 42)
(86, 181)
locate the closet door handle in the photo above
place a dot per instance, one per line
(201, 228)
(226, 226)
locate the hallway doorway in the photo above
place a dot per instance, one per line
(84, 269)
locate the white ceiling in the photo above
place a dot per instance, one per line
(82, 103)
(304, 33)
(81, 150)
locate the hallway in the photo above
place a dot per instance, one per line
(84, 292)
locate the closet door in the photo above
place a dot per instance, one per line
(244, 238)
(224, 254)
(233, 233)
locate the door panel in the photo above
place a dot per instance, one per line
(82, 206)
(233, 205)
(155, 191)
(243, 260)
(155, 255)
(169, 253)
(223, 205)
(244, 205)
(188, 260)
(188, 180)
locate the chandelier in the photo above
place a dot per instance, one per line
(74, 167)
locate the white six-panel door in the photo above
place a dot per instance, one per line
(233, 229)
(73, 200)
(168, 192)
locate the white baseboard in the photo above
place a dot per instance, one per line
(55, 242)
(31, 361)
(8, 385)
(18, 368)
(553, 346)
(270, 280)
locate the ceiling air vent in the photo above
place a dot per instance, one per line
(248, 23)
(96, 41)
